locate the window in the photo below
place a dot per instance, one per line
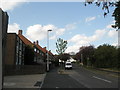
(16, 59)
(35, 49)
(20, 59)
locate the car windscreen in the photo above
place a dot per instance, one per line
(68, 63)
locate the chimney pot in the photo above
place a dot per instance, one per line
(20, 32)
(34, 42)
(37, 42)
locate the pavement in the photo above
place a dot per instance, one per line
(24, 81)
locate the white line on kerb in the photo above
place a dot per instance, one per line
(102, 79)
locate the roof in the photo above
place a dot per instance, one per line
(44, 50)
(25, 40)
(39, 47)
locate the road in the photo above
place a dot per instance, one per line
(79, 77)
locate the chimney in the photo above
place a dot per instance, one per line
(44, 47)
(37, 42)
(20, 32)
(34, 42)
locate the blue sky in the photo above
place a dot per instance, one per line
(71, 21)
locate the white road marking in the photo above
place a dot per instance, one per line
(102, 79)
(56, 87)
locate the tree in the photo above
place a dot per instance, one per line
(116, 14)
(118, 56)
(106, 56)
(61, 46)
(106, 4)
(65, 56)
(87, 53)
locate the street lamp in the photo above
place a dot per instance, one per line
(48, 49)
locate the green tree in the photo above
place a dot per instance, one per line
(116, 15)
(106, 56)
(61, 46)
(118, 60)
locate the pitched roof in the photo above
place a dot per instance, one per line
(28, 42)
(39, 47)
(44, 50)
(25, 40)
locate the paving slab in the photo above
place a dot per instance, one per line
(24, 81)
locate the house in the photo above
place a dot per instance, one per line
(15, 49)
(51, 56)
(39, 54)
(38, 50)
(3, 35)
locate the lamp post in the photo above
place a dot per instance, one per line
(48, 49)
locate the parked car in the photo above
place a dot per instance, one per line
(68, 65)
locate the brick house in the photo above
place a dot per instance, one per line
(15, 48)
(39, 54)
(38, 50)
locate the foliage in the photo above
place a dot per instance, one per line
(61, 46)
(105, 7)
(29, 55)
(87, 54)
(106, 56)
(118, 60)
(116, 14)
(65, 56)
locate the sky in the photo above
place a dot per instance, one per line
(72, 21)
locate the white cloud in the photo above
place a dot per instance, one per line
(39, 32)
(70, 26)
(13, 28)
(73, 48)
(115, 44)
(112, 33)
(58, 32)
(10, 5)
(81, 40)
(109, 26)
(88, 19)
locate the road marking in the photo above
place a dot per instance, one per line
(56, 87)
(102, 79)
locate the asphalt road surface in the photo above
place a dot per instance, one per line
(55, 80)
(79, 77)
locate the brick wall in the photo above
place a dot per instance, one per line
(24, 69)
